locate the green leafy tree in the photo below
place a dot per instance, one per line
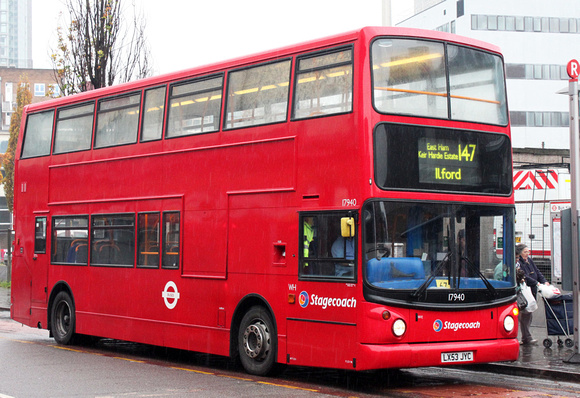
(23, 98)
(101, 46)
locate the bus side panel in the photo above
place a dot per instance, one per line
(187, 318)
(205, 176)
(322, 344)
(212, 340)
(205, 242)
(322, 325)
(261, 241)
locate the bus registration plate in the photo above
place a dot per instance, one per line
(463, 356)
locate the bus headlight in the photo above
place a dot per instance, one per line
(399, 327)
(508, 323)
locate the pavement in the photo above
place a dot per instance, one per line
(557, 362)
(534, 361)
(4, 299)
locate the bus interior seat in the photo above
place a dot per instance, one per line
(82, 253)
(73, 250)
(407, 267)
(109, 247)
(108, 253)
(377, 270)
(389, 268)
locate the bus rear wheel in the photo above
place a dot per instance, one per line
(257, 342)
(63, 318)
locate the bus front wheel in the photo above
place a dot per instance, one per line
(63, 318)
(257, 342)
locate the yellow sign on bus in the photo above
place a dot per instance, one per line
(442, 283)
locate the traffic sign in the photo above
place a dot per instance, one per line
(573, 69)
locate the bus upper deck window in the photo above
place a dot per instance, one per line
(324, 84)
(38, 134)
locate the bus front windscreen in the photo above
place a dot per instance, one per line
(438, 252)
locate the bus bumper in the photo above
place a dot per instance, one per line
(373, 356)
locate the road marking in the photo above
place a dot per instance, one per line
(236, 378)
(130, 360)
(67, 349)
(287, 386)
(194, 371)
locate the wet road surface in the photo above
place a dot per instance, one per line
(206, 375)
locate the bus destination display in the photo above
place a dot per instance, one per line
(448, 161)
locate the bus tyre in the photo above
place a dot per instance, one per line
(63, 318)
(257, 342)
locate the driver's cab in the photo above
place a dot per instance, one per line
(328, 245)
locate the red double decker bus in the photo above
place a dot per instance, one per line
(343, 203)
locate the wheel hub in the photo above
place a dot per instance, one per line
(63, 318)
(256, 341)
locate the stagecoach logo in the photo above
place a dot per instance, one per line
(437, 325)
(324, 302)
(303, 299)
(455, 326)
(170, 297)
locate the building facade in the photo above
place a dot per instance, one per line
(16, 33)
(537, 39)
(42, 86)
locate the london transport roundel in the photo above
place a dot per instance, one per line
(170, 295)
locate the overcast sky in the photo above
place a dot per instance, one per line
(189, 33)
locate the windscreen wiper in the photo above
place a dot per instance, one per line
(421, 289)
(478, 272)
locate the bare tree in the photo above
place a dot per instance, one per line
(100, 47)
(23, 98)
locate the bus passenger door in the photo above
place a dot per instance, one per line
(30, 270)
(321, 325)
(21, 277)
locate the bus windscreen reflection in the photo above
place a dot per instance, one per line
(423, 246)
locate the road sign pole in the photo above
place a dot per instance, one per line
(574, 175)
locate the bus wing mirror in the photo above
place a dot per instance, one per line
(347, 227)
